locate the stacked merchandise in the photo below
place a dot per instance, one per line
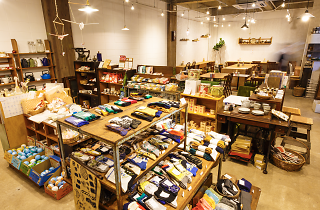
(259, 162)
(228, 194)
(158, 84)
(241, 149)
(81, 118)
(112, 77)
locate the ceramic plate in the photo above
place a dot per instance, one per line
(257, 112)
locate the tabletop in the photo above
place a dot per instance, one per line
(245, 66)
(254, 97)
(215, 75)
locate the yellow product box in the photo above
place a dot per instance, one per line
(202, 109)
(259, 158)
(190, 108)
(260, 166)
(196, 108)
(193, 101)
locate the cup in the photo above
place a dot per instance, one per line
(5, 80)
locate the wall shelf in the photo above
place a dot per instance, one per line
(255, 41)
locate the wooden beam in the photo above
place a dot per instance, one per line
(64, 64)
(171, 31)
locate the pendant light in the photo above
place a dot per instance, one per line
(306, 16)
(124, 19)
(132, 7)
(87, 8)
(245, 27)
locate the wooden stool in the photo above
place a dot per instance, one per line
(304, 123)
(291, 110)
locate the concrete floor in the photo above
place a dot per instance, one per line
(280, 189)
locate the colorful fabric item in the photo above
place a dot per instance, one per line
(88, 116)
(147, 154)
(138, 160)
(245, 199)
(166, 196)
(133, 206)
(212, 196)
(125, 178)
(149, 111)
(158, 143)
(134, 123)
(150, 148)
(75, 121)
(210, 201)
(129, 100)
(169, 135)
(220, 150)
(244, 185)
(122, 103)
(200, 154)
(160, 109)
(118, 129)
(169, 186)
(192, 159)
(103, 107)
(142, 116)
(166, 106)
(153, 204)
(175, 104)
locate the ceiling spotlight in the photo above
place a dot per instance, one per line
(306, 16)
(249, 20)
(188, 31)
(229, 25)
(283, 4)
(182, 14)
(214, 18)
(162, 14)
(253, 21)
(125, 28)
(201, 22)
(208, 18)
(209, 36)
(219, 7)
(127, 0)
(87, 8)
(244, 18)
(223, 19)
(222, 26)
(208, 12)
(253, 4)
(132, 7)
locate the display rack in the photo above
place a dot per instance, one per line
(10, 62)
(17, 55)
(175, 94)
(92, 97)
(96, 129)
(214, 103)
(255, 41)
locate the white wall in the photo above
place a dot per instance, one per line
(191, 51)
(21, 20)
(268, 24)
(145, 42)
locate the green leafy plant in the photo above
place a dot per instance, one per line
(219, 45)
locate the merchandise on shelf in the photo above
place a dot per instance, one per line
(158, 84)
(84, 68)
(112, 77)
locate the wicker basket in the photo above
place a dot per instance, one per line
(71, 140)
(228, 196)
(286, 165)
(298, 91)
(34, 112)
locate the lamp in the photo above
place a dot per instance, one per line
(182, 14)
(201, 22)
(283, 4)
(219, 7)
(132, 7)
(208, 12)
(306, 16)
(253, 4)
(87, 8)
(245, 26)
(124, 19)
(162, 14)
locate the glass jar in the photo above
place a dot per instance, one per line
(40, 46)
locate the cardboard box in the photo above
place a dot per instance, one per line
(25, 168)
(196, 108)
(259, 158)
(316, 106)
(55, 161)
(63, 191)
(31, 140)
(8, 156)
(193, 101)
(260, 166)
(38, 169)
(192, 86)
(202, 109)
(190, 108)
(48, 151)
(40, 144)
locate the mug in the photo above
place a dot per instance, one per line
(5, 80)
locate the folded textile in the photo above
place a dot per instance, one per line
(145, 153)
(226, 187)
(175, 104)
(126, 179)
(122, 103)
(116, 109)
(138, 160)
(169, 186)
(150, 148)
(88, 116)
(134, 123)
(158, 143)
(201, 133)
(240, 156)
(160, 104)
(116, 128)
(105, 160)
(210, 201)
(192, 159)
(245, 199)
(133, 206)
(77, 122)
(160, 109)
(169, 135)
(200, 154)
(176, 174)
(125, 123)
(202, 205)
(129, 100)
(244, 185)
(153, 204)
(220, 150)
(195, 136)
(212, 196)
(166, 196)
(142, 116)
(215, 194)
(132, 167)
(228, 202)
(149, 111)
(103, 107)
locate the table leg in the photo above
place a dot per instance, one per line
(238, 82)
(63, 160)
(117, 173)
(229, 132)
(269, 148)
(219, 169)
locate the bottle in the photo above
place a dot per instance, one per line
(99, 56)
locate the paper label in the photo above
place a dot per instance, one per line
(142, 107)
(175, 172)
(227, 176)
(157, 169)
(109, 162)
(164, 194)
(168, 183)
(104, 149)
(183, 101)
(78, 120)
(241, 182)
(103, 167)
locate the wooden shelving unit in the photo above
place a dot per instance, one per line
(17, 55)
(209, 103)
(106, 98)
(93, 98)
(255, 41)
(8, 61)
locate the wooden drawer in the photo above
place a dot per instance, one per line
(221, 119)
(280, 130)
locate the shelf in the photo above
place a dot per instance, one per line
(2, 63)
(121, 84)
(43, 80)
(109, 95)
(42, 53)
(53, 137)
(209, 98)
(203, 115)
(255, 44)
(5, 57)
(91, 72)
(87, 94)
(40, 67)
(11, 83)
(30, 128)
(79, 141)
(314, 51)
(156, 91)
(104, 69)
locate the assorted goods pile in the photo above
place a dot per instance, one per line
(158, 84)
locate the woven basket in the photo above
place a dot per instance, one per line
(228, 196)
(290, 166)
(71, 140)
(34, 112)
(298, 91)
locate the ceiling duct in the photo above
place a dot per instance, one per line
(242, 4)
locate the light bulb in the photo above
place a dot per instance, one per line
(222, 26)
(249, 20)
(244, 28)
(132, 7)
(88, 9)
(209, 36)
(201, 22)
(208, 18)
(214, 18)
(127, 0)
(188, 32)
(287, 16)
(208, 12)
(244, 17)
(182, 14)
(254, 4)
(219, 7)
(223, 19)
(305, 18)
(253, 21)
(283, 4)
(229, 25)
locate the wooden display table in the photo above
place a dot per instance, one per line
(242, 69)
(278, 102)
(212, 76)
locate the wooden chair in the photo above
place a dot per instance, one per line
(227, 85)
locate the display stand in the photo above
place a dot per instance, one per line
(96, 129)
(13, 71)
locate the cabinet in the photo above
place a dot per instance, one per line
(37, 71)
(7, 68)
(87, 83)
(198, 116)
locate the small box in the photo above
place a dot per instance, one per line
(196, 108)
(40, 144)
(191, 108)
(55, 161)
(63, 191)
(316, 106)
(16, 162)
(38, 169)
(260, 166)
(202, 109)
(259, 158)
(48, 151)
(31, 140)
(193, 101)
(8, 156)
(192, 86)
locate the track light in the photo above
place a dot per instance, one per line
(208, 12)
(229, 25)
(87, 8)
(253, 4)
(162, 14)
(201, 22)
(214, 18)
(208, 18)
(182, 14)
(219, 7)
(283, 4)
(188, 31)
(127, 0)
(222, 26)
(223, 19)
(132, 7)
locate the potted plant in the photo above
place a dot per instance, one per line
(218, 46)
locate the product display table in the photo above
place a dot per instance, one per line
(278, 102)
(267, 122)
(242, 69)
(211, 75)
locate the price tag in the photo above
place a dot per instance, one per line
(241, 182)
(183, 101)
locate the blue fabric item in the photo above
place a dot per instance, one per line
(158, 113)
(161, 201)
(136, 160)
(169, 135)
(219, 149)
(125, 206)
(205, 143)
(75, 121)
(213, 196)
(166, 106)
(246, 187)
(192, 169)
